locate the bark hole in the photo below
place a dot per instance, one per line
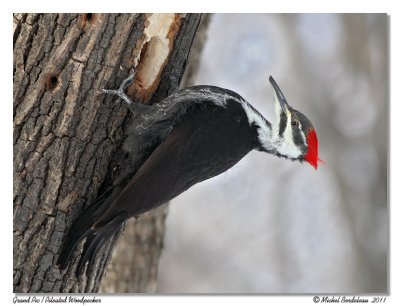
(51, 82)
(87, 18)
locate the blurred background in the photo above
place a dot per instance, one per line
(269, 225)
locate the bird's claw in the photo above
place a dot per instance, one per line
(120, 92)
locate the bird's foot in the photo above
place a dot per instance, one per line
(120, 92)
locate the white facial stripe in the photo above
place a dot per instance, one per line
(302, 135)
(287, 135)
(287, 146)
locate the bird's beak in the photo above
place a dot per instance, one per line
(279, 97)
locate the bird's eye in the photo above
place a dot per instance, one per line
(294, 123)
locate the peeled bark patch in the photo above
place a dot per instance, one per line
(152, 52)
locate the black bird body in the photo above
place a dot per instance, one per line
(191, 136)
(191, 153)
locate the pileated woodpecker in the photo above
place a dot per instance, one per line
(192, 135)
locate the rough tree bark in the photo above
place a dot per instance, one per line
(68, 135)
(122, 272)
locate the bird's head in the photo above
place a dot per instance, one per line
(293, 134)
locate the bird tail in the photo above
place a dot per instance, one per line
(85, 226)
(96, 239)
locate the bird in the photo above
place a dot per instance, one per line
(192, 135)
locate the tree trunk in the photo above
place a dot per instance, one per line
(125, 264)
(68, 135)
